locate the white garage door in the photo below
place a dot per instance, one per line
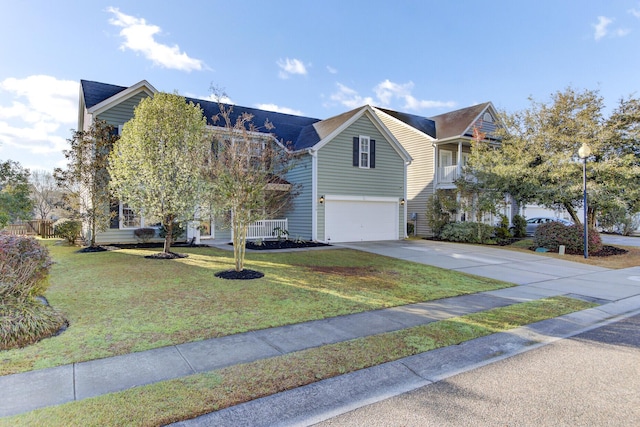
(354, 221)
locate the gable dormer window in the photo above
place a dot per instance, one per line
(364, 152)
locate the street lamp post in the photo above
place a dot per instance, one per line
(583, 153)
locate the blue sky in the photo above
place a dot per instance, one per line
(317, 58)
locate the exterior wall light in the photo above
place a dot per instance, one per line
(321, 200)
(401, 202)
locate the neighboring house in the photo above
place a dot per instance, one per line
(350, 169)
(440, 147)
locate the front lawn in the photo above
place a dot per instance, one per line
(184, 398)
(119, 302)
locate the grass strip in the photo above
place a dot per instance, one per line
(188, 397)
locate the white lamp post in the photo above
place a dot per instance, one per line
(583, 153)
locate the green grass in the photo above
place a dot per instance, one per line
(184, 398)
(118, 302)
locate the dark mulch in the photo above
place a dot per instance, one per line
(239, 275)
(604, 252)
(91, 249)
(282, 244)
(166, 255)
(609, 251)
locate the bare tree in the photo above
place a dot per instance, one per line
(244, 173)
(44, 193)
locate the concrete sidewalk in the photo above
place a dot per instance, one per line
(618, 292)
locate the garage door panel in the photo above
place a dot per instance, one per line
(352, 221)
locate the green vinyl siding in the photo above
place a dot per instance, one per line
(338, 176)
(123, 112)
(299, 216)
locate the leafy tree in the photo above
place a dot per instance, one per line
(15, 203)
(538, 162)
(85, 181)
(243, 175)
(44, 193)
(154, 166)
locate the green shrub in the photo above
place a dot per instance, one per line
(144, 234)
(410, 229)
(68, 229)
(24, 267)
(24, 271)
(553, 234)
(25, 322)
(177, 232)
(442, 207)
(519, 228)
(467, 232)
(502, 229)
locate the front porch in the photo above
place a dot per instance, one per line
(263, 229)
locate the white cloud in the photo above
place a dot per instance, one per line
(331, 70)
(635, 12)
(139, 37)
(278, 109)
(42, 107)
(602, 28)
(349, 97)
(386, 92)
(291, 66)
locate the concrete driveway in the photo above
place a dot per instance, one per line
(614, 239)
(543, 276)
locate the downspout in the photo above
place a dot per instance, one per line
(406, 203)
(314, 194)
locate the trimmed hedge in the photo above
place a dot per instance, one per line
(467, 232)
(553, 234)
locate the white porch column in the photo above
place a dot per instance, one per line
(459, 160)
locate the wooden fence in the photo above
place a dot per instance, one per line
(37, 227)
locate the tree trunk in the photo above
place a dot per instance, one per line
(169, 235)
(572, 213)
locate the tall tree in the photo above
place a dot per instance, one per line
(538, 161)
(44, 193)
(85, 181)
(244, 173)
(15, 203)
(155, 166)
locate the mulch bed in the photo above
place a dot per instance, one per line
(609, 251)
(239, 275)
(282, 244)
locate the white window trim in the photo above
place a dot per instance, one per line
(121, 223)
(361, 139)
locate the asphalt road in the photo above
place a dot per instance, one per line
(592, 379)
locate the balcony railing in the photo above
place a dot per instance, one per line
(447, 174)
(266, 229)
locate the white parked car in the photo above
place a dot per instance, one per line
(533, 223)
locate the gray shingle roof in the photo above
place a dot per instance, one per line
(423, 124)
(96, 92)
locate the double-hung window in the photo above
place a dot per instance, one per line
(364, 152)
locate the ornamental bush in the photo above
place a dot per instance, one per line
(68, 229)
(519, 228)
(24, 267)
(24, 271)
(467, 232)
(144, 234)
(502, 229)
(553, 234)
